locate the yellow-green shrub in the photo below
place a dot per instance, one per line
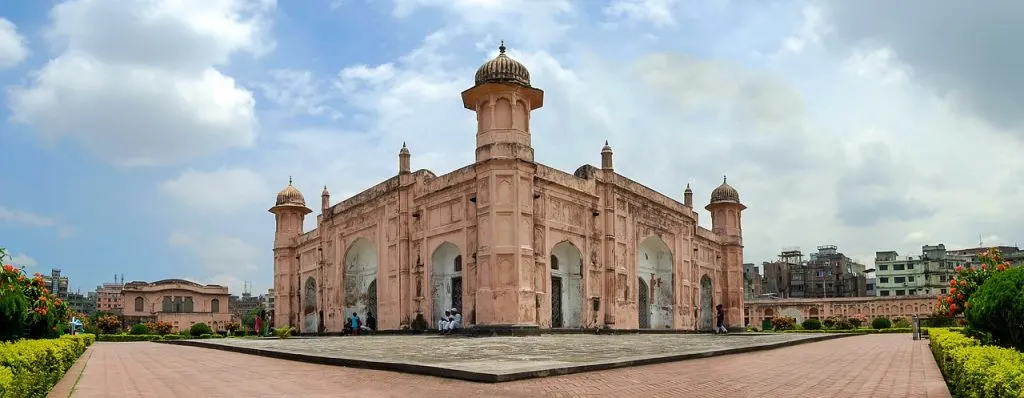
(121, 338)
(29, 368)
(973, 370)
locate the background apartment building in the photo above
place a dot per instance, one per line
(927, 274)
(827, 273)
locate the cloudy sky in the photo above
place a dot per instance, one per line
(149, 137)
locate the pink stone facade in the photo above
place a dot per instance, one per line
(872, 307)
(179, 302)
(508, 240)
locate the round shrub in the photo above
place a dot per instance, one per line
(997, 308)
(829, 322)
(200, 329)
(811, 324)
(881, 323)
(783, 323)
(139, 328)
(901, 323)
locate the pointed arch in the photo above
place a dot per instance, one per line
(445, 280)
(566, 285)
(707, 311)
(360, 274)
(655, 267)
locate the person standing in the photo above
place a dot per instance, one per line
(721, 320)
(371, 322)
(355, 323)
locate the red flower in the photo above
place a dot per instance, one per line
(952, 307)
(952, 290)
(963, 283)
(984, 267)
(949, 300)
(959, 268)
(42, 298)
(1001, 267)
(952, 282)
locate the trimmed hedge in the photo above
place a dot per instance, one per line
(973, 370)
(862, 331)
(121, 338)
(30, 368)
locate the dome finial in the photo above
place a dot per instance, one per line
(403, 144)
(723, 179)
(289, 180)
(501, 48)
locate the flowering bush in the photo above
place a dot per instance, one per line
(968, 280)
(858, 320)
(231, 327)
(161, 327)
(783, 323)
(27, 308)
(108, 324)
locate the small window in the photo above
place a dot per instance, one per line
(910, 266)
(554, 262)
(140, 304)
(883, 292)
(883, 267)
(897, 267)
(214, 306)
(883, 280)
(943, 291)
(900, 279)
(458, 263)
(910, 279)
(901, 292)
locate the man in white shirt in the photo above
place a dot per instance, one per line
(442, 325)
(456, 322)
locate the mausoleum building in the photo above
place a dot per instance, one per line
(509, 241)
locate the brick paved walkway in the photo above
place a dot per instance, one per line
(863, 366)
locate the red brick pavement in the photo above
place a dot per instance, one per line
(889, 365)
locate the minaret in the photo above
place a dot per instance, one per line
(289, 212)
(325, 201)
(502, 290)
(503, 99)
(726, 222)
(404, 160)
(606, 157)
(688, 196)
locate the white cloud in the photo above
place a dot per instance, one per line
(223, 258)
(137, 81)
(827, 142)
(23, 260)
(13, 46)
(658, 13)
(36, 220)
(299, 93)
(226, 190)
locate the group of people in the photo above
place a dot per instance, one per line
(354, 325)
(450, 323)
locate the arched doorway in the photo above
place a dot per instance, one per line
(566, 286)
(309, 306)
(445, 280)
(812, 313)
(643, 304)
(707, 311)
(360, 288)
(655, 268)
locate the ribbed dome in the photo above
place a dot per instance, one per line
(290, 196)
(725, 193)
(503, 69)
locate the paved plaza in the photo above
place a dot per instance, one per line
(510, 358)
(888, 365)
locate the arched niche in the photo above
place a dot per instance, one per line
(309, 306)
(360, 276)
(445, 280)
(566, 286)
(655, 267)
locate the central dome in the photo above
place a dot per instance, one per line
(725, 193)
(503, 69)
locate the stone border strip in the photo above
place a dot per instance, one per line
(482, 377)
(66, 385)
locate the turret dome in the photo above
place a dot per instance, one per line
(503, 69)
(725, 193)
(290, 195)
